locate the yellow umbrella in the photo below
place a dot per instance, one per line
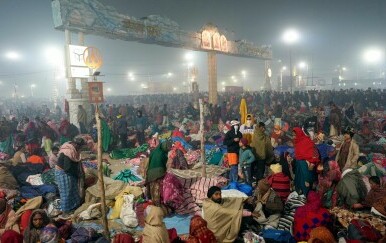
(243, 111)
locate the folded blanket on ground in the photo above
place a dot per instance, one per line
(35, 191)
(211, 171)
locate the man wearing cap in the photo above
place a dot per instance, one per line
(223, 215)
(231, 140)
(347, 156)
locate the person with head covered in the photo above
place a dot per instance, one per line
(231, 140)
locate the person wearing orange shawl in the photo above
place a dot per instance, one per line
(199, 232)
(307, 156)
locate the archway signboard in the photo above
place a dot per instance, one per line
(93, 18)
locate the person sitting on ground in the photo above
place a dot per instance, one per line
(351, 188)
(6, 212)
(20, 155)
(376, 193)
(199, 232)
(223, 215)
(50, 234)
(36, 157)
(310, 216)
(155, 230)
(53, 158)
(38, 220)
(11, 236)
(321, 235)
(279, 182)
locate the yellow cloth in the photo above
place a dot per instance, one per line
(243, 111)
(224, 219)
(136, 191)
(155, 230)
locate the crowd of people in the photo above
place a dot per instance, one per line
(308, 166)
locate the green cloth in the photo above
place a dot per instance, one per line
(157, 162)
(64, 139)
(7, 146)
(107, 139)
(262, 145)
(128, 153)
(126, 176)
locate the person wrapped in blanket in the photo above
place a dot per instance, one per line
(199, 232)
(351, 188)
(69, 176)
(310, 216)
(307, 156)
(225, 216)
(6, 212)
(376, 194)
(156, 171)
(38, 220)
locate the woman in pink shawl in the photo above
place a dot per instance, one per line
(52, 124)
(328, 176)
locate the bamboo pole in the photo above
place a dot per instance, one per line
(202, 139)
(100, 173)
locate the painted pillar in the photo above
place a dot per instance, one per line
(212, 72)
(74, 97)
(83, 81)
(268, 75)
(72, 92)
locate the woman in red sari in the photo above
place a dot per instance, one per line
(199, 232)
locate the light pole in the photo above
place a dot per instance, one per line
(290, 37)
(281, 77)
(244, 74)
(32, 86)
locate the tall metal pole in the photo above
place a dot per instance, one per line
(291, 71)
(203, 172)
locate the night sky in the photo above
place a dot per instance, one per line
(332, 33)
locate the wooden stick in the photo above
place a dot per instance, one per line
(202, 139)
(100, 173)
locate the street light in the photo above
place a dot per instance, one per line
(373, 55)
(13, 55)
(290, 37)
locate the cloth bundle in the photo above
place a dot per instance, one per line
(126, 176)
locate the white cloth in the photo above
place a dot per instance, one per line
(35, 180)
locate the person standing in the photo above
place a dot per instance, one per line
(246, 158)
(231, 140)
(122, 130)
(262, 146)
(165, 117)
(347, 156)
(69, 175)
(82, 119)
